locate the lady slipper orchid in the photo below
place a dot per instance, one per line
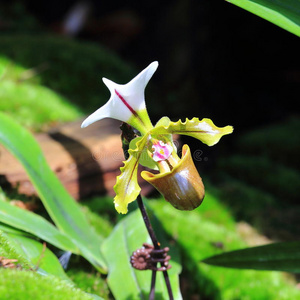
(178, 179)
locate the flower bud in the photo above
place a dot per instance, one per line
(182, 186)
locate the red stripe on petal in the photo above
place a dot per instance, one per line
(128, 106)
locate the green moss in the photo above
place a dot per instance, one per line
(90, 282)
(71, 68)
(7, 250)
(199, 236)
(103, 206)
(100, 223)
(35, 107)
(19, 284)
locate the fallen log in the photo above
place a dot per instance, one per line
(86, 161)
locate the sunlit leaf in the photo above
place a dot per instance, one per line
(283, 13)
(278, 257)
(128, 236)
(62, 208)
(36, 225)
(9, 229)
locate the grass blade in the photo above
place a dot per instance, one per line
(36, 225)
(62, 208)
(278, 257)
(283, 13)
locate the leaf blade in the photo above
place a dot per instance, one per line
(62, 208)
(283, 13)
(128, 236)
(36, 225)
(277, 257)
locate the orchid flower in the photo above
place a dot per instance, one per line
(178, 180)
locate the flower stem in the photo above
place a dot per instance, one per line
(127, 136)
(156, 246)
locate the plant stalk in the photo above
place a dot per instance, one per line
(155, 244)
(127, 136)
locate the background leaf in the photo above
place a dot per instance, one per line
(62, 208)
(128, 236)
(278, 257)
(283, 13)
(36, 225)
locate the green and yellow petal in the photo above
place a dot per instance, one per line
(127, 188)
(205, 130)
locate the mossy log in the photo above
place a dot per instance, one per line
(86, 161)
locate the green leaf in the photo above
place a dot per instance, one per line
(205, 130)
(62, 208)
(278, 257)
(9, 229)
(41, 258)
(36, 225)
(126, 282)
(283, 13)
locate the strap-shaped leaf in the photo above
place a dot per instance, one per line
(128, 236)
(278, 256)
(283, 13)
(62, 208)
(205, 130)
(36, 225)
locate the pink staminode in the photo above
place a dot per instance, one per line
(161, 151)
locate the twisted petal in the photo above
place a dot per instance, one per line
(127, 188)
(205, 130)
(127, 102)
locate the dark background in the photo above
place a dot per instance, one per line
(216, 60)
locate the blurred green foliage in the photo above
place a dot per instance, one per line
(280, 142)
(20, 284)
(261, 180)
(209, 230)
(88, 280)
(70, 68)
(262, 172)
(34, 106)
